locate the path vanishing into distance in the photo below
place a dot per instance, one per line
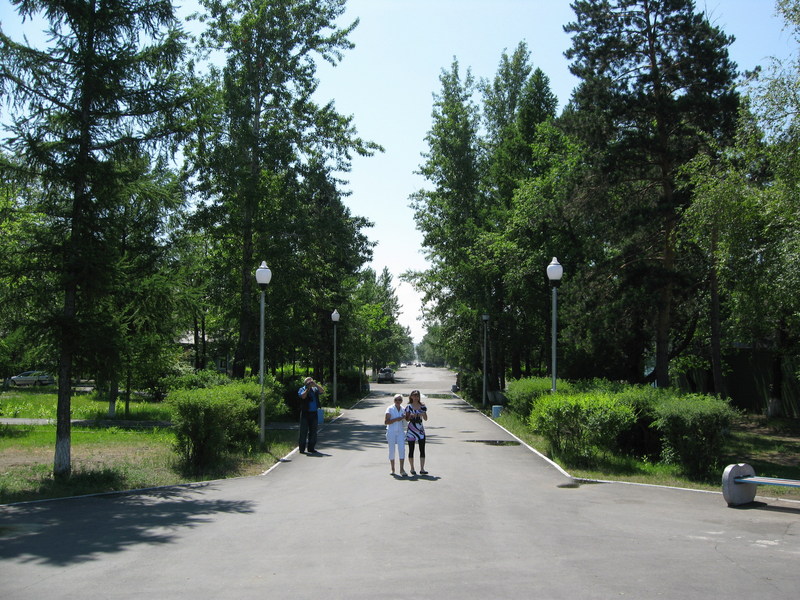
(493, 519)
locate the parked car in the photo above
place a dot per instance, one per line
(386, 375)
(33, 378)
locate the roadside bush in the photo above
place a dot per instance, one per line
(599, 385)
(289, 389)
(200, 379)
(577, 426)
(641, 439)
(693, 429)
(470, 385)
(209, 422)
(522, 394)
(349, 382)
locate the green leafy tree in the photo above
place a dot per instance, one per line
(381, 339)
(263, 159)
(516, 102)
(656, 81)
(105, 86)
(431, 349)
(450, 215)
(480, 154)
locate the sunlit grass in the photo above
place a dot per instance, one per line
(112, 459)
(35, 403)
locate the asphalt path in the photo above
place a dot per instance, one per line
(494, 519)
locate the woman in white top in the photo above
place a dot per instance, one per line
(395, 435)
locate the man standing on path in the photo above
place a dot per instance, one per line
(309, 403)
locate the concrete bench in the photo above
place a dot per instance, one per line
(739, 484)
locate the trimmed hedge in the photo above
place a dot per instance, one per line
(200, 379)
(209, 422)
(585, 418)
(577, 426)
(522, 394)
(693, 428)
(641, 439)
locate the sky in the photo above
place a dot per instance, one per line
(387, 83)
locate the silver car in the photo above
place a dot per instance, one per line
(33, 378)
(386, 375)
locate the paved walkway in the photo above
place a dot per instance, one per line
(492, 520)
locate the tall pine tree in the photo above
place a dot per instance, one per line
(655, 81)
(105, 86)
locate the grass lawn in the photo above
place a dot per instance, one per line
(111, 459)
(106, 458)
(40, 403)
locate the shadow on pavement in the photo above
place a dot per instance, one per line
(64, 533)
(768, 507)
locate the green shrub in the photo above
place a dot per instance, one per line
(576, 426)
(599, 385)
(641, 439)
(200, 379)
(471, 386)
(693, 428)
(523, 393)
(209, 422)
(349, 382)
(288, 392)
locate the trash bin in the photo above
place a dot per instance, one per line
(497, 410)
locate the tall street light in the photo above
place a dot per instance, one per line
(485, 319)
(335, 319)
(263, 277)
(554, 273)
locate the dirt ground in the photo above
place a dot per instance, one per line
(81, 457)
(784, 434)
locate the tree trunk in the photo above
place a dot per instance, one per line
(665, 312)
(775, 406)
(62, 464)
(716, 330)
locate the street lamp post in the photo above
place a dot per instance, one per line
(485, 319)
(335, 319)
(554, 273)
(263, 277)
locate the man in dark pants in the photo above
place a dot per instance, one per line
(309, 403)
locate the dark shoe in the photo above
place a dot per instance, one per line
(302, 450)
(414, 473)
(423, 472)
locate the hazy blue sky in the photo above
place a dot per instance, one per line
(387, 83)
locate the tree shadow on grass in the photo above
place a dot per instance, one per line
(78, 530)
(79, 483)
(15, 431)
(613, 466)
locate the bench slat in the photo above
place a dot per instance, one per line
(768, 481)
